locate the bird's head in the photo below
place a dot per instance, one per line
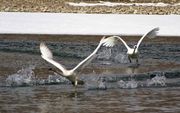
(135, 46)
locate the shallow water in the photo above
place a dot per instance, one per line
(112, 85)
(58, 99)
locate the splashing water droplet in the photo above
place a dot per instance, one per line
(121, 84)
(57, 79)
(157, 80)
(23, 77)
(102, 83)
(129, 84)
(95, 83)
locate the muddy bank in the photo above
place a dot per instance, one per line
(81, 38)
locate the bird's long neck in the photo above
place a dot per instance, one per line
(134, 51)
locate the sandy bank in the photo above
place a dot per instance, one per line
(64, 7)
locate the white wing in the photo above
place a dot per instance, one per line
(112, 40)
(90, 57)
(151, 34)
(48, 56)
(88, 61)
(45, 51)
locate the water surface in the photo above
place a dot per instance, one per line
(113, 85)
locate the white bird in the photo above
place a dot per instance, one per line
(69, 74)
(131, 52)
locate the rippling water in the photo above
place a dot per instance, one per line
(112, 84)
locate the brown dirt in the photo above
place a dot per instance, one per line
(58, 6)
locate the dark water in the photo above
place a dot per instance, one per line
(112, 84)
(57, 99)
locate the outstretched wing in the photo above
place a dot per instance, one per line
(81, 67)
(90, 57)
(151, 34)
(45, 51)
(48, 56)
(112, 40)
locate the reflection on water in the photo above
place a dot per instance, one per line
(57, 99)
(112, 84)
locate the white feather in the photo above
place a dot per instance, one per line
(110, 41)
(153, 33)
(45, 51)
(48, 56)
(150, 34)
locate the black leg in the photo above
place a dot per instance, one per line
(137, 60)
(129, 59)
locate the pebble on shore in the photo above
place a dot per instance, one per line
(62, 6)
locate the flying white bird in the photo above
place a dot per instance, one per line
(132, 52)
(69, 74)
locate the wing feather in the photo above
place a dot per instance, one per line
(48, 56)
(110, 41)
(45, 51)
(150, 34)
(88, 59)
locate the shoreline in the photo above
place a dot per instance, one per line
(83, 38)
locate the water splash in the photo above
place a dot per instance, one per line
(53, 79)
(26, 77)
(57, 79)
(127, 84)
(96, 83)
(102, 83)
(157, 80)
(23, 77)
